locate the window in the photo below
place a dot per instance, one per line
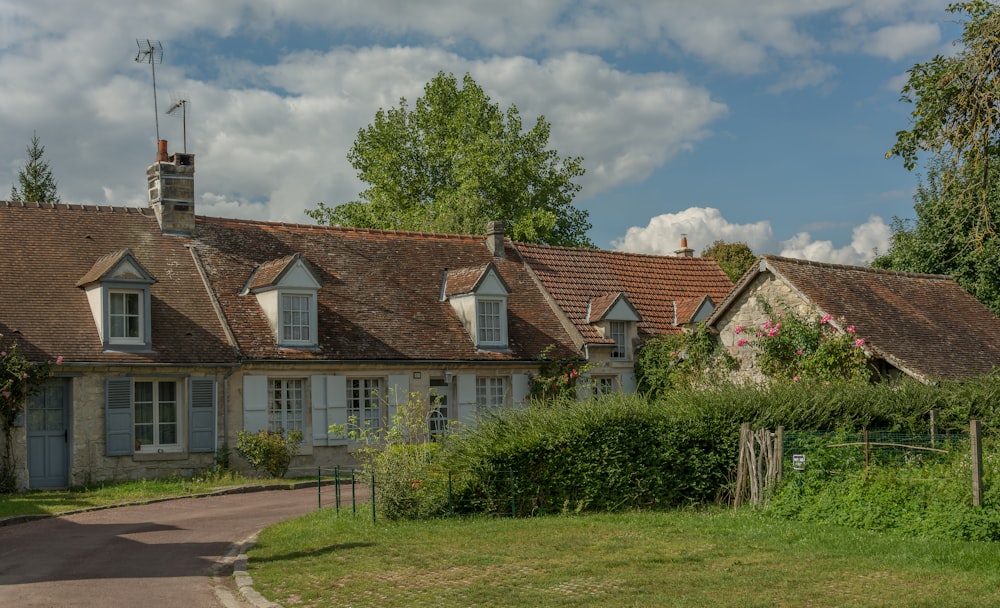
(296, 318)
(125, 317)
(489, 321)
(619, 333)
(156, 415)
(604, 385)
(437, 419)
(363, 403)
(286, 405)
(489, 394)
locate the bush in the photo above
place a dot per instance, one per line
(269, 451)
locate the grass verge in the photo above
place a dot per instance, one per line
(61, 501)
(630, 559)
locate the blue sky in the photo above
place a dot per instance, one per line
(765, 122)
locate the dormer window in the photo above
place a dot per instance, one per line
(118, 289)
(287, 291)
(479, 298)
(617, 320)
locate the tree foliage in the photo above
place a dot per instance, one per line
(35, 179)
(456, 161)
(674, 361)
(943, 238)
(19, 380)
(734, 258)
(956, 114)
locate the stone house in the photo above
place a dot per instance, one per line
(177, 331)
(611, 301)
(919, 325)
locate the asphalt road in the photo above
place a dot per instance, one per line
(162, 554)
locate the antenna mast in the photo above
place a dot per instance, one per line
(180, 102)
(151, 52)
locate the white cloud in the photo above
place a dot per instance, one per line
(903, 39)
(702, 225)
(867, 239)
(705, 225)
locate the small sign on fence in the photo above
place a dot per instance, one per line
(799, 462)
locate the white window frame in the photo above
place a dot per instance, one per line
(304, 320)
(157, 423)
(139, 317)
(439, 409)
(364, 402)
(286, 404)
(491, 393)
(618, 331)
(604, 385)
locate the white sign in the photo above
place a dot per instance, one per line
(798, 461)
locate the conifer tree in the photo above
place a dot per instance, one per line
(36, 182)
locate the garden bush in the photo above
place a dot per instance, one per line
(269, 451)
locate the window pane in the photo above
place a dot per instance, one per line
(295, 317)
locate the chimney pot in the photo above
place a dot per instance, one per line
(161, 151)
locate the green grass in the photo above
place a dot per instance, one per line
(55, 502)
(634, 559)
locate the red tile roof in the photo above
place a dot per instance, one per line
(380, 297)
(47, 249)
(653, 284)
(923, 324)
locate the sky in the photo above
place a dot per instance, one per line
(764, 122)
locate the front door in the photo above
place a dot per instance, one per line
(48, 436)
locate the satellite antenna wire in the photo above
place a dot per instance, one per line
(151, 52)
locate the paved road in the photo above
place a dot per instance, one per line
(163, 554)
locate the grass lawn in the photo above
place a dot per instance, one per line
(61, 501)
(634, 559)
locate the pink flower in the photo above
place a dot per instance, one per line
(772, 332)
(59, 360)
(825, 319)
(739, 328)
(3, 353)
(741, 342)
(859, 343)
(799, 352)
(24, 375)
(6, 394)
(795, 378)
(850, 329)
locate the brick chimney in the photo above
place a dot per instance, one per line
(684, 251)
(494, 238)
(171, 190)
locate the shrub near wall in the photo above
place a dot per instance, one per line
(619, 452)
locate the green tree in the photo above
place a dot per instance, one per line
(456, 161)
(956, 114)
(35, 178)
(19, 380)
(943, 238)
(734, 258)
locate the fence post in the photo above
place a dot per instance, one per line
(451, 496)
(354, 494)
(933, 426)
(373, 498)
(319, 488)
(975, 433)
(336, 486)
(513, 499)
(779, 451)
(741, 466)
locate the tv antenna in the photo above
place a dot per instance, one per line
(180, 101)
(151, 52)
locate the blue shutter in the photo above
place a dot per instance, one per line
(118, 436)
(201, 415)
(255, 403)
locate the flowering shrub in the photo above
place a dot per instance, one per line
(557, 378)
(269, 451)
(673, 361)
(19, 379)
(791, 348)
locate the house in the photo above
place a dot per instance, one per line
(611, 301)
(177, 331)
(924, 326)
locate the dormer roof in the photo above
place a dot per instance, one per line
(464, 281)
(119, 265)
(291, 270)
(614, 307)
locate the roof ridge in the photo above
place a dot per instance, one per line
(868, 269)
(325, 228)
(43, 206)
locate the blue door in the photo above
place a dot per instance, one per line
(48, 436)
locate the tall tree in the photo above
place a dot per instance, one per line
(943, 238)
(734, 258)
(956, 114)
(456, 161)
(35, 178)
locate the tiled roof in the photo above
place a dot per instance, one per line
(574, 277)
(926, 325)
(268, 273)
(47, 248)
(600, 305)
(464, 280)
(380, 294)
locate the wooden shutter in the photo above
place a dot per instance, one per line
(397, 394)
(255, 403)
(628, 383)
(520, 388)
(202, 414)
(118, 430)
(467, 406)
(329, 406)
